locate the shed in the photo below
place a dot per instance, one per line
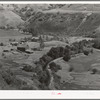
(33, 45)
(29, 51)
(14, 43)
(22, 47)
(35, 39)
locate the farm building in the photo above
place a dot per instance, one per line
(29, 51)
(33, 45)
(35, 39)
(22, 47)
(14, 43)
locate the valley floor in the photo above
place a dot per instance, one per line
(80, 78)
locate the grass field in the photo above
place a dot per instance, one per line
(80, 77)
(5, 35)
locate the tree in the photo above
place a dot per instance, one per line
(28, 13)
(86, 52)
(1, 44)
(54, 67)
(56, 52)
(96, 43)
(45, 78)
(41, 43)
(47, 38)
(67, 57)
(94, 71)
(8, 26)
(45, 59)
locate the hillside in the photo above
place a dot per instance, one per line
(8, 16)
(26, 10)
(82, 7)
(75, 23)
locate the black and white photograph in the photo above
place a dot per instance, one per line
(49, 46)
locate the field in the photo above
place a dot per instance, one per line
(81, 77)
(5, 35)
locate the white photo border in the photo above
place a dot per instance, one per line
(49, 94)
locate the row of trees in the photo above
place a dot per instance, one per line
(96, 43)
(7, 27)
(84, 46)
(66, 53)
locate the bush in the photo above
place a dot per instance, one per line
(86, 52)
(38, 69)
(45, 59)
(53, 53)
(2, 27)
(1, 44)
(96, 43)
(56, 52)
(54, 67)
(8, 76)
(28, 68)
(67, 57)
(42, 45)
(71, 69)
(91, 50)
(94, 71)
(45, 78)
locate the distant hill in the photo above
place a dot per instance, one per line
(8, 17)
(82, 7)
(69, 21)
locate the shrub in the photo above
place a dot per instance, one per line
(45, 78)
(38, 68)
(94, 71)
(1, 44)
(2, 27)
(8, 76)
(54, 67)
(45, 59)
(61, 51)
(67, 57)
(53, 53)
(91, 50)
(96, 43)
(10, 40)
(42, 45)
(28, 68)
(71, 69)
(56, 52)
(67, 50)
(86, 52)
